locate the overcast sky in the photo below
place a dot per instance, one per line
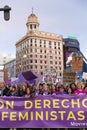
(64, 17)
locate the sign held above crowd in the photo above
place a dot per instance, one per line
(77, 63)
(68, 76)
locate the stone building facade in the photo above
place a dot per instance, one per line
(39, 51)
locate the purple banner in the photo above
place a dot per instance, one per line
(44, 112)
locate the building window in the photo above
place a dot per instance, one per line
(35, 44)
(55, 62)
(56, 67)
(40, 56)
(45, 67)
(44, 42)
(31, 61)
(35, 55)
(40, 41)
(30, 50)
(60, 68)
(59, 63)
(59, 58)
(27, 45)
(59, 53)
(35, 66)
(31, 40)
(60, 74)
(41, 67)
(55, 43)
(35, 26)
(59, 48)
(35, 50)
(51, 57)
(41, 51)
(58, 43)
(44, 51)
(30, 44)
(51, 62)
(41, 73)
(49, 42)
(55, 52)
(31, 26)
(35, 40)
(35, 61)
(31, 67)
(40, 61)
(45, 62)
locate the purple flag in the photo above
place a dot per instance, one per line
(28, 75)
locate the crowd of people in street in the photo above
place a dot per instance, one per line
(26, 90)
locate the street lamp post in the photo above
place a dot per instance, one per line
(6, 10)
(21, 64)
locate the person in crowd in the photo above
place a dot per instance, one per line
(33, 87)
(28, 92)
(14, 91)
(41, 89)
(50, 88)
(25, 90)
(58, 85)
(53, 92)
(85, 87)
(1, 92)
(61, 90)
(73, 87)
(5, 89)
(45, 90)
(37, 91)
(69, 91)
(9, 93)
(22, 91)
(66, 86)
(79, 90)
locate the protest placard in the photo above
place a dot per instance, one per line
(77, 63)
(68, 76)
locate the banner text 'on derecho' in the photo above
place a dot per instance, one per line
(46, 109)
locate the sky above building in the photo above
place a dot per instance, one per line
(63, 17)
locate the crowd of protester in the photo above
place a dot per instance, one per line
(25, 90)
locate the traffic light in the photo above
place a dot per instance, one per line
(6, 10)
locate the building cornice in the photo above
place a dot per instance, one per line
(40, 35)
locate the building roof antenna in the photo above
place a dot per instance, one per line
(32, 10)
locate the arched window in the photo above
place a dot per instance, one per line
(31, 26)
